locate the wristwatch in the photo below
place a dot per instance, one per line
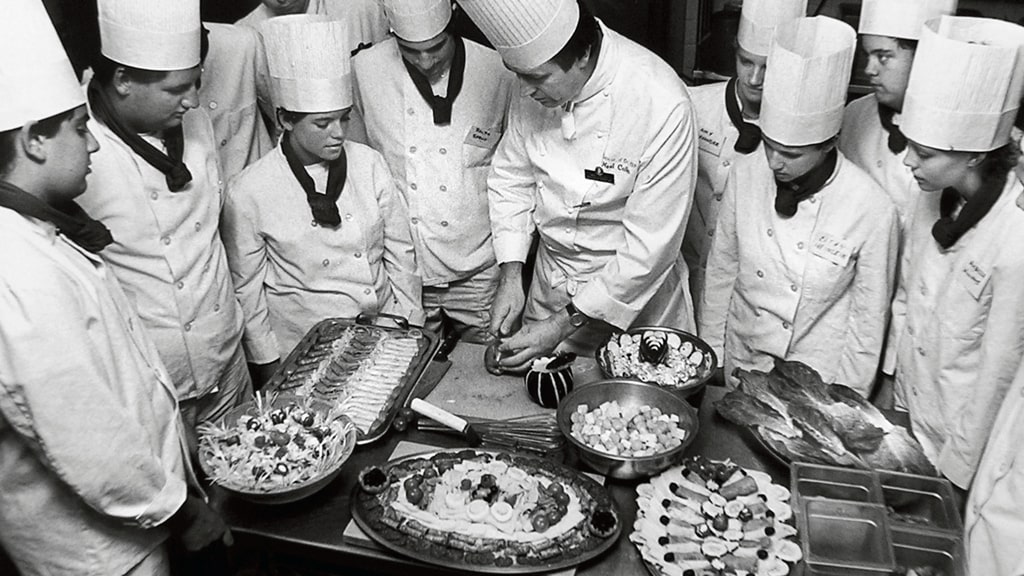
(576, 318)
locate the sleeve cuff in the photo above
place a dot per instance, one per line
(595, 302)
(953, 466)
(165, 504)
(511, 249)
(261, 350)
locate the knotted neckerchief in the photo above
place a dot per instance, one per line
(170, 164)
(67, 216)
(947, 230)
(750, 134)
(323, 206)
(442, 106)
(897, 141)
(789, 194)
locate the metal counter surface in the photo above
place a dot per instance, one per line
(313, 528)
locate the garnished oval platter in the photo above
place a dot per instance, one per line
(486, 511)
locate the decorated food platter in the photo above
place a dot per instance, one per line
(709, 517)
(675, 360)
(366, 371)
(485, 511)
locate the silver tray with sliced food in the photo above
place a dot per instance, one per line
(366, 370)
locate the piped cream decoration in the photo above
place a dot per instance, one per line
(526, 33)
(966, 84)
(805, 84)
(759, 18)
(310, 68)
(901, 18)
(36, 78)
(418, 20)
(150, 34)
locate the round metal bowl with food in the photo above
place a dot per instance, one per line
(276, 451)
(675, 360)
(627, 429)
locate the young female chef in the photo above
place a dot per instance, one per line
(960, 305)
(315, 229)
(802, 265)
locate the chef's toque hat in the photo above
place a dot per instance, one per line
(759, 18)
(805, 84)
(418, 20)
(308, 57)
(150, 34)
(966, 84)
(36, 78)
(901, 18)
(526, 33)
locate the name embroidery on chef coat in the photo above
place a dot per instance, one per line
(708, 141)
(832, 249)
(482, 137)
(974, 278)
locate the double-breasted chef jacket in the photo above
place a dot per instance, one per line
(168, 255)
(229, 94)
(716, 152)
(815, 287)
(92, 460)
(994, 525)
(290, 272)
(959, 318)
(610, 204)
(441, 171)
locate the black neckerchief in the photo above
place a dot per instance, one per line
(442, 107)
(67, 216)
(170, 164)
(947, 230)
(897, 141)
(750, 134)
(323, 206)
(789, 194)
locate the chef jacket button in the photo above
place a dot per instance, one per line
(348, 217)
(718, 197)
(326, 262)
(443, 150)
(443, 188)
(799, 245)
(568, 230)
(413, 186)
(312, 223)
(411, 111)
(198, 226)
(444, 223)
(166, 240)
(358, 254)
(154, 195)
(213, 105)
(921, 351)
(224, 142)
(793, 287)
(924, 290)
(180, 284)
(757, 313)
(771, 232)
(814, 200)
(415, 220)
(188, 327)
(785, 325)
(879, 164)
(366, 291)
(760, 273)
(216, 307)
(726, 163)
(412, 149)
(711, 233)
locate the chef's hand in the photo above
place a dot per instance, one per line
(197, 525)
(262, 373)
(509, 299)
(533, 341)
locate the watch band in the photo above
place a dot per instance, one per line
(576, 318)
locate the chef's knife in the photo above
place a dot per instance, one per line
(448, 419)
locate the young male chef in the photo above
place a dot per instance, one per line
(871, 136)
(727, 119)
(959, 308)
(434, 104)
(156, 184)
(803, 262)
(599, 162)
(364, 19)
(93, 463)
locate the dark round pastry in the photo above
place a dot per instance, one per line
(604, 522)
(548, 381)
(373, 480)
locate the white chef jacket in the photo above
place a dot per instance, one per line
(994, 526)
(961, 312)
(614, 248)
(814, 287)
(441, 171)
(366, 21)
(290, 272)
(92, 460)
(716, 140)
(168, 255)
(229, 95)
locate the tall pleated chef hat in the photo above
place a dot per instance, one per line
(759, 18)
(901, 18)
(309, 62)
(418, 20)
(805, 84)
(526, 33)
(36, 78)
(975, 112)
(150, 34)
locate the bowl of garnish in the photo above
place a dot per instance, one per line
(672, 359)
(276, 450)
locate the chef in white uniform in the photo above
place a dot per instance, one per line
(315, 229)
(960, 306)
(727, 120)
(156, 184)
(93, 463)
(871, 136)
(364, 19)
(803, 262)
(599, 162)
(434, 105)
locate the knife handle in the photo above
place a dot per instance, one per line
(439, 414)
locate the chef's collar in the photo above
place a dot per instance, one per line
(604, 72)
